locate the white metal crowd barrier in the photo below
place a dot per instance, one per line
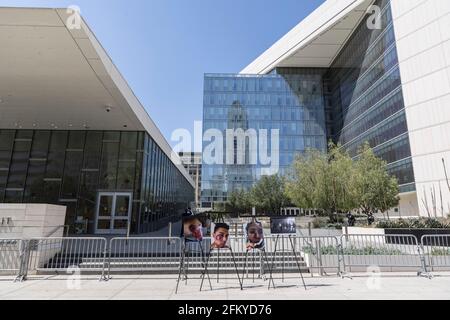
(144, 254)
(64, 254)
(320, 254)
(11, 251)
(381, 252)
(323, 255)
(436, 249)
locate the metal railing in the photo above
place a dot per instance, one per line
(144, 254)
(65, 228)
(436, 249)
(321, 254)
(61, 254)
(386, 252)
(283, 254)
(11, 251)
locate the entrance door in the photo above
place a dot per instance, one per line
(113, 213)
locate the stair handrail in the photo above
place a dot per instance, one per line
(56, 229)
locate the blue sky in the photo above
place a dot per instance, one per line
(163, 47)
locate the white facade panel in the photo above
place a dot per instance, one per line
(400, 7)
(426, 62)
(422, 29)
(425, 88)
(339, 14)
(408, 207)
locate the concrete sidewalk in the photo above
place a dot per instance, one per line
(135, 287)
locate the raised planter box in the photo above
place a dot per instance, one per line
(418, 233)
(365, 263)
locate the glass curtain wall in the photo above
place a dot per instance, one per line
(289, 99)
(365, 99)
(70, 167)
(165, 192)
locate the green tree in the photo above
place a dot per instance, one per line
(340, 190)
(376, 190)
(268, 195)
(239, 202)
(322, 181)
(305, 185)
(334, 183)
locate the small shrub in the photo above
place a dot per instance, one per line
(413, 224)
(353, 251)
(440, 252)
(337, 226)
(319, 223)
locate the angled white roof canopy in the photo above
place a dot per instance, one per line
(53, 77)
(316, 41)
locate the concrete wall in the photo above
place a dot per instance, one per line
(363, 231)
(422, 30)
(31, 220)
(408, 207)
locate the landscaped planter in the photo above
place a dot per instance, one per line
(362, 263)
(418, 233)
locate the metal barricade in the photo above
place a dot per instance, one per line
(319, 254)
(280, 254)
(436, 249)
(288, 254)
(67, 255)
(11, 253)
(160, 255)
(251, 262)
(395, 253)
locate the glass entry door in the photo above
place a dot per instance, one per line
(113, 213)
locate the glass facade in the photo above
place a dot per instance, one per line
(290, 100)
(357, 99)
(365, 100)
(70, 168)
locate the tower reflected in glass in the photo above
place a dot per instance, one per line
(288, 100)
(357, 99)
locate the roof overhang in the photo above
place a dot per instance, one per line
(56, 77)
(316, 41)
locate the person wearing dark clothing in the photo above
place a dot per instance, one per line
(351, 220)
(370, 219)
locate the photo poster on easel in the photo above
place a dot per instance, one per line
(254, 233)
(220, 234)
(283, 225)
(196, 227)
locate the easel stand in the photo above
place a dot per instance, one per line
(264, 255)
(295, 257)
(184, 263)
(218, 266)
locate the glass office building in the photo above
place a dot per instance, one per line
(366, 99)
(357, 99)
(105, 178)
(288, 100)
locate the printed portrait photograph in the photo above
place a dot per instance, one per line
(283, 225)
(196, 227)
(220, 236)
(254, 233)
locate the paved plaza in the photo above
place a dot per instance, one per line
(145, 287)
